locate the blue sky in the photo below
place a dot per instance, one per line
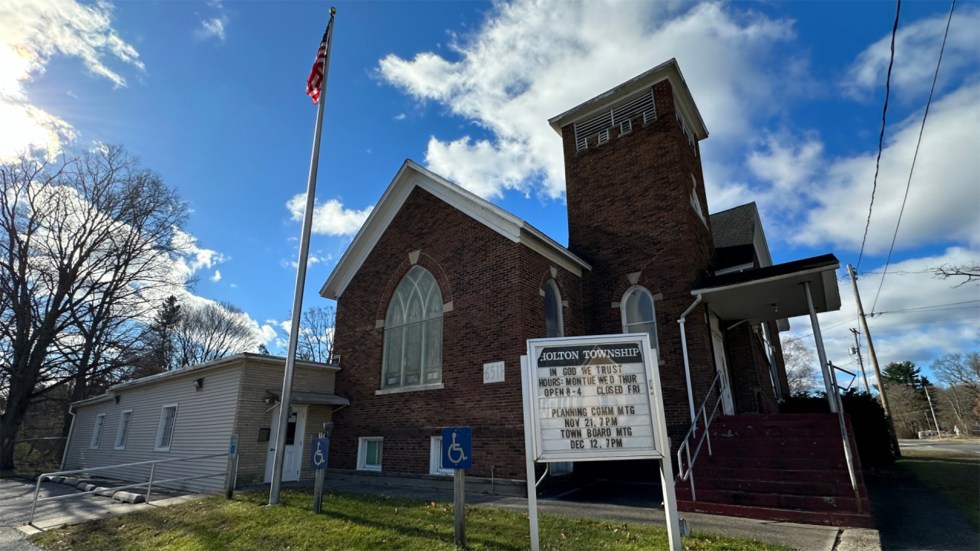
(210, 95)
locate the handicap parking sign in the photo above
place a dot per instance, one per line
(457, 449)
(318, 453)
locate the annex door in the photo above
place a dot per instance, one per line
(293, 458)
(718, 346)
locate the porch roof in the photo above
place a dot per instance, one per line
(313, 398)
(774, 292)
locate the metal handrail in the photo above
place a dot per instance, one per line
(688, 473)
(148, 483)
(848, 454)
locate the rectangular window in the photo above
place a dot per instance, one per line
(435, 457)
(97, 431)
(165, 429)
(122, 431)
(369, 453)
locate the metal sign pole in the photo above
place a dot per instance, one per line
(532, 490)
(459, 500)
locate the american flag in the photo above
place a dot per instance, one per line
(315, 80)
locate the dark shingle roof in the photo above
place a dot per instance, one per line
(735, 226)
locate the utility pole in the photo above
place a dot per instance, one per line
(933, 410)
(857, 350)
(874, 362)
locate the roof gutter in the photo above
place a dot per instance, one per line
(687, 365)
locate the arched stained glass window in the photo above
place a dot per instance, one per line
(413, 332)
(639, 314)
(553, 324)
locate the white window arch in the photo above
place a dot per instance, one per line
(554, 325)
(413, 332)
(639, 314)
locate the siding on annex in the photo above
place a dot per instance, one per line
(256, 416)
(202, 427)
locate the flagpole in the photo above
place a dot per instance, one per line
(304, 249)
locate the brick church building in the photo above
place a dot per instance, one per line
(440, 290)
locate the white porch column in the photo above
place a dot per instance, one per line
(821, 354)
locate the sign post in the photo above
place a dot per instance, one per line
(457, 454)
(595, 398)
(231, 475)
(318, 460)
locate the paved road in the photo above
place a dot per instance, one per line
(970, 447)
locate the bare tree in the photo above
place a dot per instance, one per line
(969, 271)
(961, 375)
(81, 243)
(315, 341)
(910, 409)
(212, 331)
(801, 368)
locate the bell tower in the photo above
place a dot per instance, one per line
(637, 210)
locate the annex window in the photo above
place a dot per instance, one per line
(97, 431)
(413, 333)
(639, 314)
(435, 457)
(554, 326)
(122, 431)
(165, 429)
(369, 453)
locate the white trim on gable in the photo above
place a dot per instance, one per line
(412, 175)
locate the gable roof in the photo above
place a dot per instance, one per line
(410, 176)
(737, 228)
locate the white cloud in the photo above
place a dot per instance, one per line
(817, 200)
(213, 27)
(193, 258)
(533, 60)
(330, 218)
(916, 54)
(31, 34)
(216, 276)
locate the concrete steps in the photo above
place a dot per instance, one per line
(777, 467)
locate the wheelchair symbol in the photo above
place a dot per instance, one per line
(319, 457)
(455, 452)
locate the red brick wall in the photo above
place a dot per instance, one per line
(494, 285)
(629, 210)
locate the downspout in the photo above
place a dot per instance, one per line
(687, 365)
(71, 431)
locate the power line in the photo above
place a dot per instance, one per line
(933, 308)
(915, 156)
(881, 136)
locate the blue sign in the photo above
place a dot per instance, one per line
(318, 453)
(457, 448)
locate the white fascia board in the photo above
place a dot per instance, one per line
(760, 243)
(540, 243)
(669, 70)
(410, 176)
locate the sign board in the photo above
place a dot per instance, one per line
(593, 398)
(233, 446)
(318, 453)
(493, 372)
(457, 449)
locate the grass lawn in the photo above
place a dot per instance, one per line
(956, 476)
(354, 522)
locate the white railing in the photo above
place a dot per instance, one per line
(104, 490)
(685, 469)
(848, 454)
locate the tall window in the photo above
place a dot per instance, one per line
(97, 431)
(122, 430)
(639, 314)
(165, 429)
(413, 332)
(552, 310)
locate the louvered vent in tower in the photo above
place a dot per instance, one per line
(622, 115)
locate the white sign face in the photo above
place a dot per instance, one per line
(593, 398)
(493, 372)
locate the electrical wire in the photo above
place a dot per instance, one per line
(915, 156)
(881, 135)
